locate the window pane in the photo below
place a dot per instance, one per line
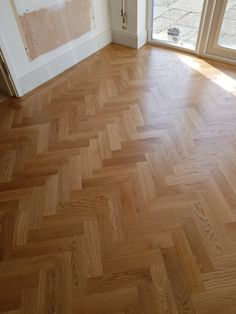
(227, 36)
(177, 22)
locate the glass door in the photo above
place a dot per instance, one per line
(205, 27)
(177, 22)
(222, 38)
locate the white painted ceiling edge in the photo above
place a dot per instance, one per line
(27, 6)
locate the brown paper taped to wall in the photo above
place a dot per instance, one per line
(46, 29)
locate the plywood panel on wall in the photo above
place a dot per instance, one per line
(46, 25)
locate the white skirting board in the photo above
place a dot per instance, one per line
(51, 69)
(129, 39)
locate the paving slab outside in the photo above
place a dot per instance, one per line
(185, 15)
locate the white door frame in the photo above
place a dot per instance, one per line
(6, 76)
(13, 76)
(213, 47)
(202, 46)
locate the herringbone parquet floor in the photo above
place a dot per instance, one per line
(118, 189)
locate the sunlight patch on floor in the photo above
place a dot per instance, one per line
(221, 79)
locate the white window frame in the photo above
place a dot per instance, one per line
(207, 40)
(213, 47)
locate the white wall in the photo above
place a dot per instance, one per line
(142, 22)
(131, 10)
(30, 74)
(136, 34)
(35, 5)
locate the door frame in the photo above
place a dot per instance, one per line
(6, 75)
(11, 73)
(218, 18)
(203, 35)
